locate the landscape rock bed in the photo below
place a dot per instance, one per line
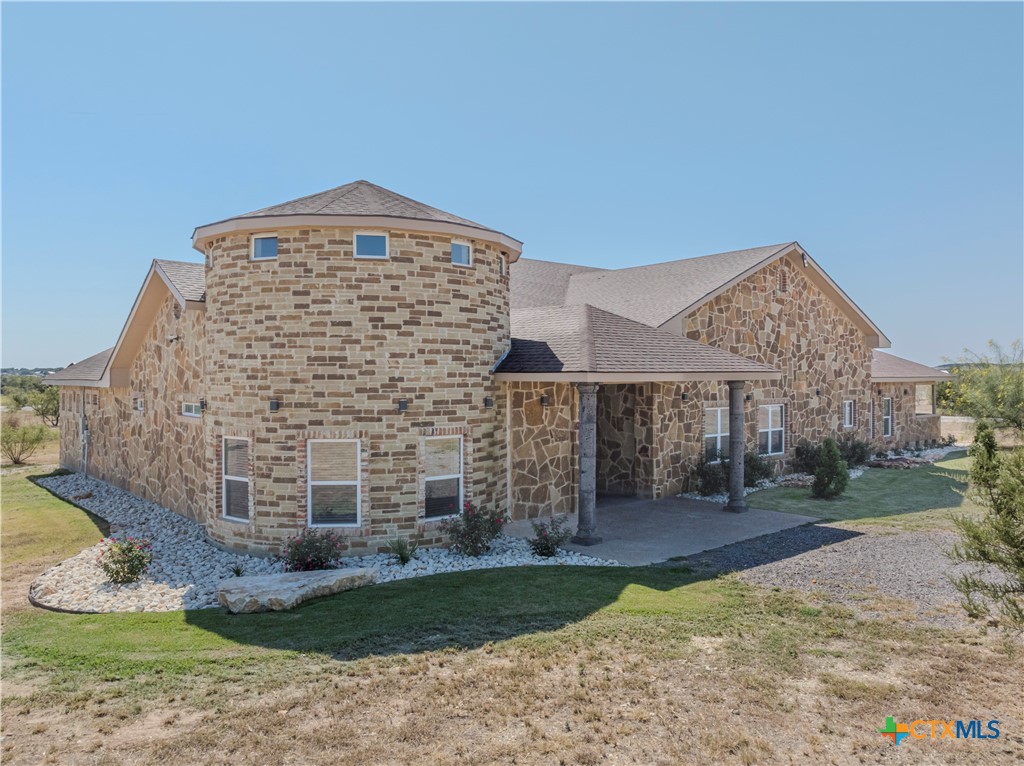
(187, 570)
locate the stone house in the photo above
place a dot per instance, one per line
(359, 361)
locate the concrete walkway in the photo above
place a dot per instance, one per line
(638, 531)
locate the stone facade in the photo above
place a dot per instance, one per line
(543, 448)
(908, 428)
(338, 341)
(139, 439)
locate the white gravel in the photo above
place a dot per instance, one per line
(187, 570)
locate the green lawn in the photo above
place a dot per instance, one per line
(917, 498)
(527, 665)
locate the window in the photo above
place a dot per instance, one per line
(716, 433)
(848, 414)
(191, 409)
(887, 416)
(332, 468)
(236, 478)
(770, 439)
(139, 404)
(443, 484)
(783, 282)
(370, 245)
(264, 247)
(502, 265)
(462, 255)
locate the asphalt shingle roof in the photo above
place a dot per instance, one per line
(362, 198)
(650, 295)
(189, 279)
(88, 369)
(889, 367)
(582, 338)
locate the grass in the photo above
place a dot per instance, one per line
(917, 498)
(531, 665)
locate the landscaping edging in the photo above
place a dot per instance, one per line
(187, 570)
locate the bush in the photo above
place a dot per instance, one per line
(473, 531)
(125, 561)
(711, 478)
(807, 458)
(20, 442)
(403, 548)
(311, 550)
(855, 452)
(548, 537)
(755, 469)
(833, 474)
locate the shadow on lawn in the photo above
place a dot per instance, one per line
(469, 609)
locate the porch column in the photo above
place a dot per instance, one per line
(737, 446)
(586, 532)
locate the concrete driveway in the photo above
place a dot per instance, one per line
(638, 531)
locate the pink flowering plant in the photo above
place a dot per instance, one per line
(548, 537)
(474, 530)
(312, 550)
(126, 560)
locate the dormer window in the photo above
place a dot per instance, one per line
(371, 245)
(462, 254)
(264, 247)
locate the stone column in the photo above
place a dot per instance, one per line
(586, 533)
(737, 446)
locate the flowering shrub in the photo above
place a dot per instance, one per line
(124, 561)
(474, 530)
(549, 536)
(311, 550)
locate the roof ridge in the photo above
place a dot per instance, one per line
(298, 199)
(351, 187)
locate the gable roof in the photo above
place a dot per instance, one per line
(887, 368)
(583, 342)
(655, 294)
(88, 371)
(356, 204)
(187, 280)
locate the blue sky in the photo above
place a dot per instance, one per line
(885, 138)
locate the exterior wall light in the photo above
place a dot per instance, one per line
(403, 405)
(749, 397)
(906, 391)
(817, 392)
(489, 402)
(545, 400)
(275, 405)
(686, 396)
(202, 405)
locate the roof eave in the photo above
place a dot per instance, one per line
(202, 234)
(632, 377)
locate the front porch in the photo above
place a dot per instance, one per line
(637, 531)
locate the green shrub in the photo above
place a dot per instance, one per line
(855, 452)
(125, 561)
(833, 474)
(548, 537)
(473, 531)
(311, 550)
(755, 469)
(711, 478)
(20, 442)
(807, 458)
(403, 548)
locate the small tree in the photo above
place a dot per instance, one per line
(46, 404)
(989, 386)
(20, 442)
(997, 539)
(833, 474)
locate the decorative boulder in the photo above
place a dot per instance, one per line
(277, 592)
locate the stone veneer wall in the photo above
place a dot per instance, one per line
(339, 341)
(617, 446)
(908, 428)
(543, 449)
(156, 453)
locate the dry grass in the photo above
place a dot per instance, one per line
(48, 454)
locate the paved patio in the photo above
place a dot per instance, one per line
(636, 531)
